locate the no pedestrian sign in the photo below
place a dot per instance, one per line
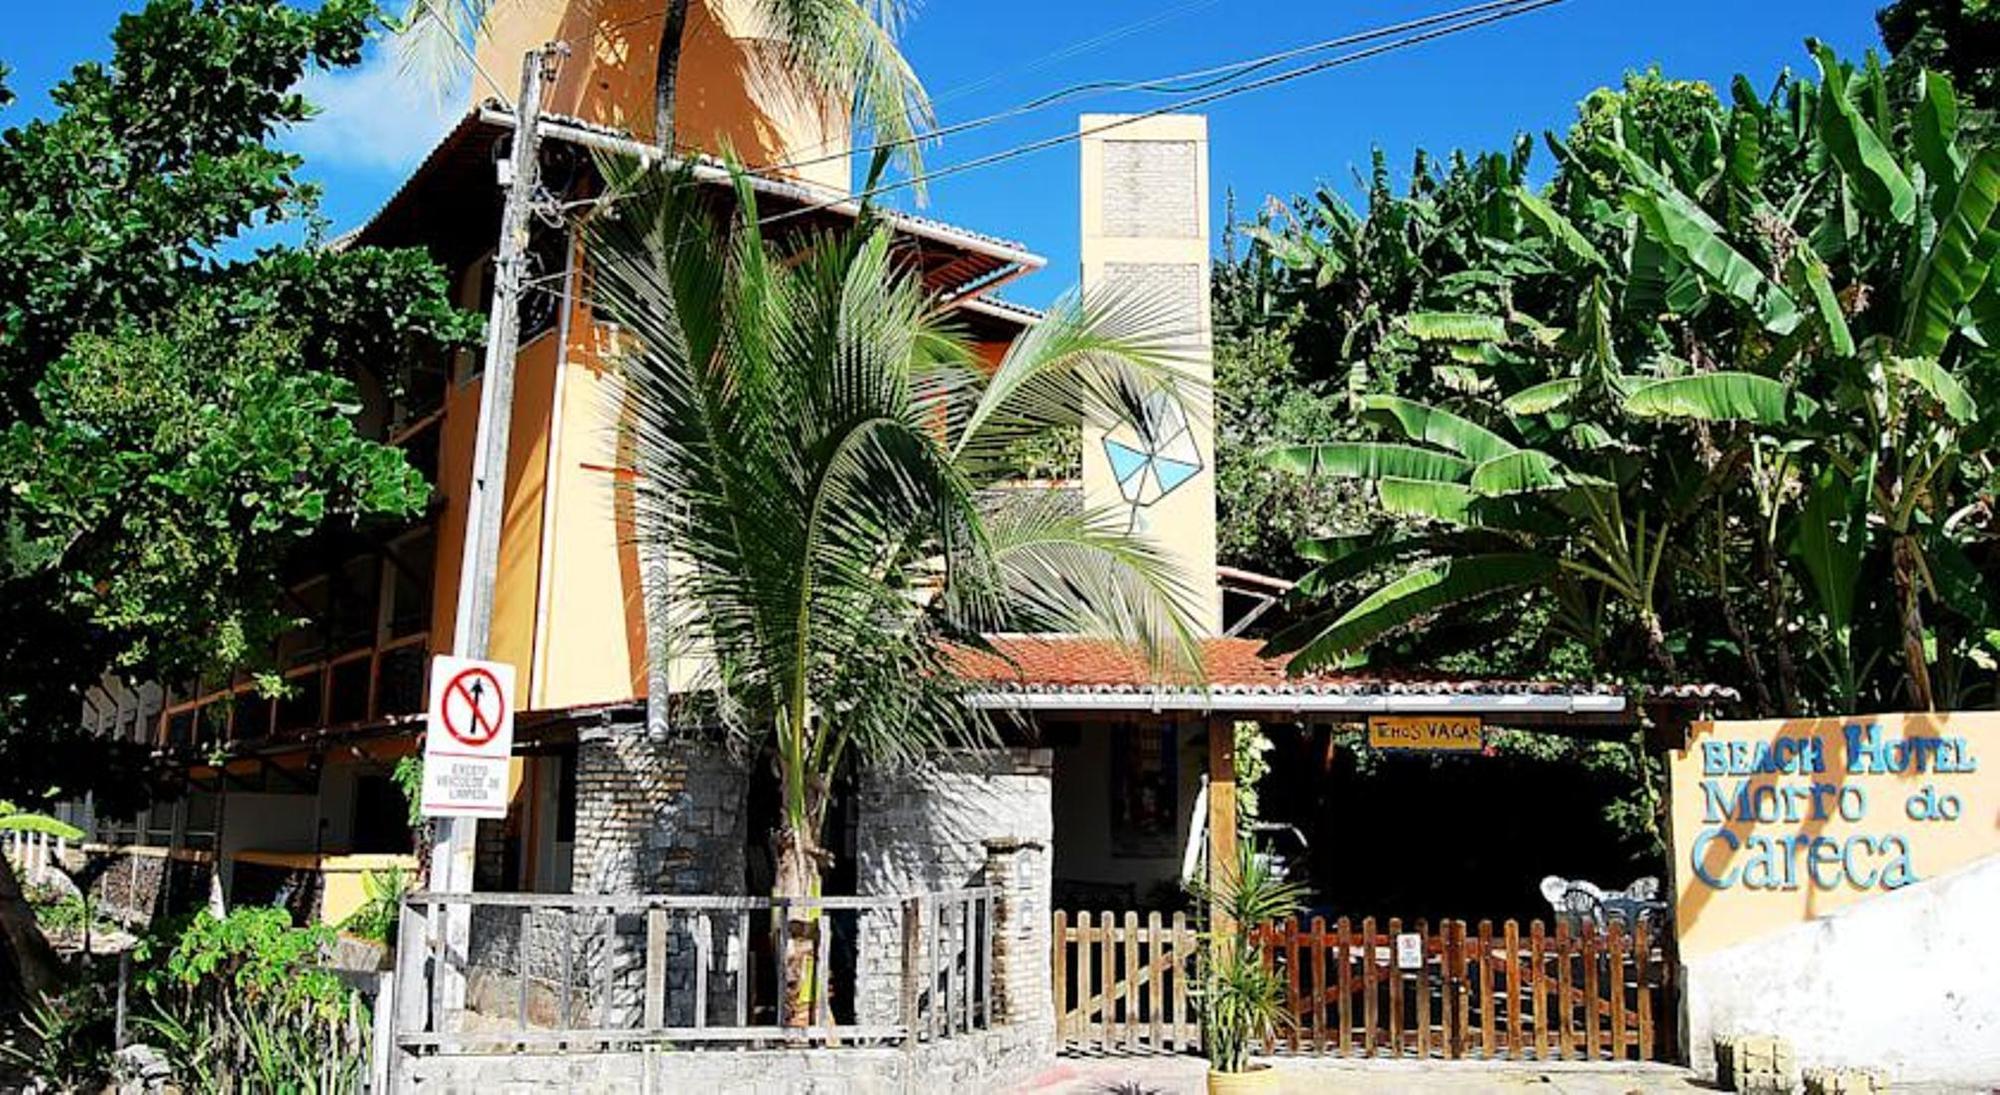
(469, 736)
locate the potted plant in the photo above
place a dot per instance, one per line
(1241, 1000)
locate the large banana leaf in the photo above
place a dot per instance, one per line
(1434, 426)
(1831, 542)
(1958, 263)
(1713, 397)
(1558, 228)
(1368, 460)
(39, 823)
(1460, 505)
(1691, 237)
(1934, 133)
(1517, 472)
(1827, 304)
(1544, 397)
(1344, 558)
(1419, 593)
(1455, 327)
(1866, 163)
(1940, 385)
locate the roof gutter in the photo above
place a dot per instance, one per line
(708, 172)
(1492, 703)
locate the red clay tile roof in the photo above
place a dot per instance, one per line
(1055, 664)
(1067, 662)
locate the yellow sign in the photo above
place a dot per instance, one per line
(1782, 821)
(1429, 733)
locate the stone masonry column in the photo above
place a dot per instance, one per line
(1022, 987)
(658, 818)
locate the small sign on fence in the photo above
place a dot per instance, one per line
(1409, 951)
(469, 735)
(1427, 733)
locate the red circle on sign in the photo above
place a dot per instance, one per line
(479, 690)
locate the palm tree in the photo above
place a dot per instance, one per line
(837, 51)
(811, 443)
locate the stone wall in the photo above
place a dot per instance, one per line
(136, 885)
(656, 818)
(971, 819)
(985, 1061)
(1908, 982)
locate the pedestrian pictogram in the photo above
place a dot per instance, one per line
(470, 738)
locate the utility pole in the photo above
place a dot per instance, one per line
(485, 503)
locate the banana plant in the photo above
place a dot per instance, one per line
(1875, 354)
(1488, 514)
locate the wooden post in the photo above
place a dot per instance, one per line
(1060, 979)
(656, 969)
(913, 960)
(1221, 814)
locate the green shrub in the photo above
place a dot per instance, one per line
(240, 1004)
(376, 919)
(65, 1041)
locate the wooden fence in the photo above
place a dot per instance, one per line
(1124, 987)
(1377, 990)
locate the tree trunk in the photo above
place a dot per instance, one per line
(1781, 629)
(799, 862)
(1753, 667)
(1656, 645)
(1915, 665)
(34, 960)
(667, 72)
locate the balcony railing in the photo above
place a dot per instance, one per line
(358, 686)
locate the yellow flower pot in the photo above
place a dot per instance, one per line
(1256, 1080)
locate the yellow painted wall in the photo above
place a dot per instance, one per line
(731, 96)
(592, 648)
(342, 877)
(515, 592)
(1155, 261)
(1817, 841)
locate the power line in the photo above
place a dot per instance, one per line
(1511, 11)
(1182, 83)
(1075, 49)
(1494, 12)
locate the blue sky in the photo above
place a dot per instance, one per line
(1472, 91)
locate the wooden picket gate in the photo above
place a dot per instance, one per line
(1505, 995)
(1124, 986)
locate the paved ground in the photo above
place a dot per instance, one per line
(1188, 1076)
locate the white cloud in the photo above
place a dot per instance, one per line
(372, 118)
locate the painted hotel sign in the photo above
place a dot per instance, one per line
(1776, 822)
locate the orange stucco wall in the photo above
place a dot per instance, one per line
(728, 100)
(1777, 822)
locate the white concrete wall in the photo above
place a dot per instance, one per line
(1908, 982)
(1083, 810)
(268, 823)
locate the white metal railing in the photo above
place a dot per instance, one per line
(560, 971)
(37, 856)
